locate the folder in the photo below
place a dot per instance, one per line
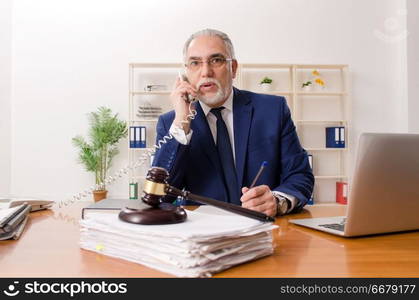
(342, 137)
(310, 161)
(132, 137)
(133, 190)
(137, 137)
(342, 192)
(335, 137)
(142, 139)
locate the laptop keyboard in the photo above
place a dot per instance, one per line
(335, 226)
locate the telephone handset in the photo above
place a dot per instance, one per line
(188, 98)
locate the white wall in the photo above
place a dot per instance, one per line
(70, 57)
(5, 93)
(413, 64)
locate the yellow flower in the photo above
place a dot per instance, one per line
(100, 247)
(319, 81)
(315, 73)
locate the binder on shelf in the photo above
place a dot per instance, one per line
(342, 192)
(335, 137)
(132, 137)
(142, 140)
(137, 137)
(133, 190)
(310, 161)
(342, 137)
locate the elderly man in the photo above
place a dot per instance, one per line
(219, 153)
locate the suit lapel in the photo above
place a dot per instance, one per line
(242, 118)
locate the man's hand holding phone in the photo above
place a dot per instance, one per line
(180, 102)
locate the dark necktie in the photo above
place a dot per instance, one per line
(226, 157)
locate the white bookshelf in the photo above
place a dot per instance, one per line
(312, 111)
(140, 76)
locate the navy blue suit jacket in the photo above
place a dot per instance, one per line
(263, 131)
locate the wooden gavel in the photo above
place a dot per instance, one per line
(156, 187)
(161, 212)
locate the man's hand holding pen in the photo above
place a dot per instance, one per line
(259, 198)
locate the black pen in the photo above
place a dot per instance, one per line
(262, 166)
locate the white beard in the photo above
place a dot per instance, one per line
(217, 98)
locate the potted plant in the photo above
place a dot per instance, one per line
(96, 154)
(266, 83)
(306, 86)
(316, 80)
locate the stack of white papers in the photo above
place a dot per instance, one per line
(209, 241)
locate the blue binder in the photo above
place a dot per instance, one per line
(137, 136)
(335, 137)
(132, 137)
(342, 137)
(142, 137)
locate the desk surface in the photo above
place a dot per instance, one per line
(49, 248)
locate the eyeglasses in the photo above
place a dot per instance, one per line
(214, 62)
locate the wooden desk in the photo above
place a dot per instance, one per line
(49, 248)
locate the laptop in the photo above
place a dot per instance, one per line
(384, 196)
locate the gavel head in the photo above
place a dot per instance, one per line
(154, 186)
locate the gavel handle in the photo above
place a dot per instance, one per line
(223, 205)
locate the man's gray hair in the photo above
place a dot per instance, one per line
(211, 32)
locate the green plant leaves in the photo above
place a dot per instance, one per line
(105, 131)
(266, 80)
(306, 84)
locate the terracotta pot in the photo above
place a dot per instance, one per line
(99, 195)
